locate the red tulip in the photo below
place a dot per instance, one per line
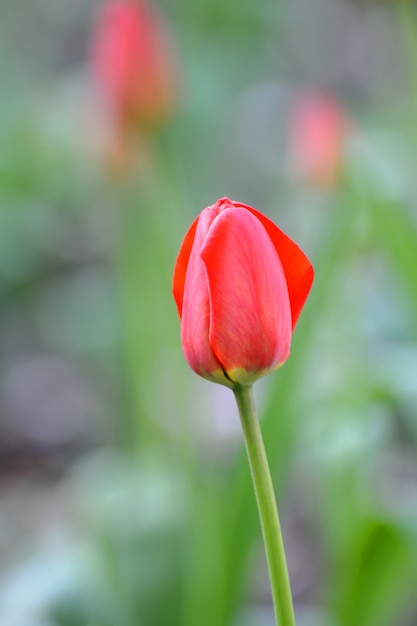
(239, 284)
(133, 69)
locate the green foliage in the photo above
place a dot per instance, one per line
(162, 530)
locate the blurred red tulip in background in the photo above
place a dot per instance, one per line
(133, 69)
(317, 133)
(239, 284)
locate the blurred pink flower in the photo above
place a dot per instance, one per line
(317, 134)
(134, 71)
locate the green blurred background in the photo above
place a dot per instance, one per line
(125, 498)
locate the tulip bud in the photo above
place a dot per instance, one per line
(317, 136)
(132, 66)
(239, 285)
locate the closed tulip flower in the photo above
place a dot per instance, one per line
(239, 284)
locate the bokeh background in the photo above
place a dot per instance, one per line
(125, 497)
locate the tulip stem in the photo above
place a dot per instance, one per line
(268, 513)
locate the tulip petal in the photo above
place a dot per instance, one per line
(250, 314)
(193, 297)
(298, 270)
(181, 266)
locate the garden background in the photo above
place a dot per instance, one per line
(125, 497)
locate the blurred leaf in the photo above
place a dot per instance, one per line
(396, 232)
(379, 576)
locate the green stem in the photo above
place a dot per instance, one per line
(268, 513)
